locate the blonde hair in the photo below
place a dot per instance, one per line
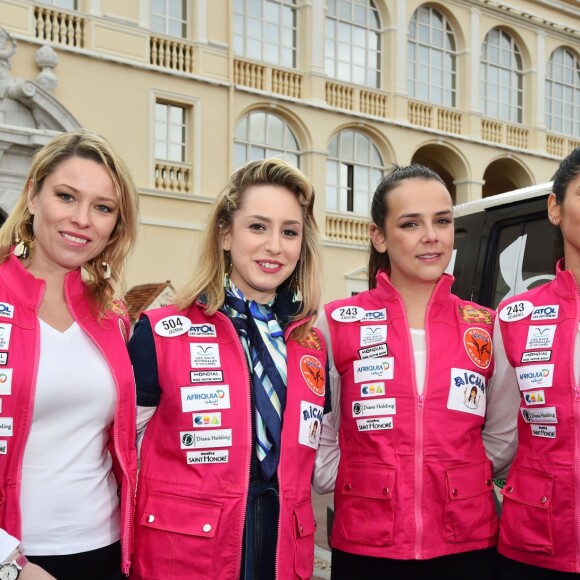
(208, 279)
(19, 225)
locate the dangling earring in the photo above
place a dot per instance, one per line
(23, 249)
(107, 269)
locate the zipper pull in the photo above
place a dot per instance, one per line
(421, 400)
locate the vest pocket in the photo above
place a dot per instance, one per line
(304, 529)
(526, 521)
(470, 512)
(365, 510)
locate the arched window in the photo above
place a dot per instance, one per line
(353, 170)
(431, 59)
(266, 30)
(352, 51)
(259, 135)
(563, 93)
(501, 77)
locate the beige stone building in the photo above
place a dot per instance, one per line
(486, 92)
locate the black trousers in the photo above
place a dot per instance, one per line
(511, 570)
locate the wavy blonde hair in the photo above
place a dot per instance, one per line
(208, 279)
(19, 225)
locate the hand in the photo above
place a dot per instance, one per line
(33, 572)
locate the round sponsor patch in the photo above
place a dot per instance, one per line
(477, 342)
(516, 311)
(173, 325)
(348, 314)
(313, 373)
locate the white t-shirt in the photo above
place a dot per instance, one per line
(69, 496)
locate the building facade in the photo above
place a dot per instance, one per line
(485, 92)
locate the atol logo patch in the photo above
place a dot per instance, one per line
(373, 369)
(534, 376)
(205, 398)
(207, 419)
(206, 376)
(313, 373)
(6, 310)
(473, 315)
(534, 397)
(540, 415)
(549, 312)
(198, 457)
(5, 381)
(477, 342)
(372, 390)
(373, 351)
(204, 355)
(375, 315)
(205, 439)
(374, 334)
(537, 356)
(202, 330)
(541, 336)
(547, 431)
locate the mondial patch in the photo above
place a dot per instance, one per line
(537, 356)
(205, 398)
(206, 376)
(373, 351)
(373, 390)
(205, 439)
(374, 408)
(540, 415)
(204, 355)
(534, 376)
(197, 457)
(377, 424)
(172, 325)
(348, 314)
(374, 334)
(373, 369)
(516, 311)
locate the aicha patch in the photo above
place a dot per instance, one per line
(313, 373)
(473, 315)
(477, 342)
(311, 341)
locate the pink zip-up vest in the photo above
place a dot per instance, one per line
(20, 297)
(195, 458)
(413, 481)
(540, 523)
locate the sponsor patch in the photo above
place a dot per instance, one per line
(207, 419)
(534, 376)
(377, 424)
(310, 424)
(311, 341)
(467, 392)
(373, 351)
(204, 354)
(477, 342)
(534, 397)
(541, 336)
(6, 310)
(173, 325)
(205, 397)
(549, 312)
(374, 408)
(6, 425)
(375, 315)
(3, 358)
(5, 332)
(370, 335)
(5, 381)
(3, 447)
(473, 315)
(372, 390)
(206, 376)
(374, 369)
(537, 356)
(548, 431)
(206, 439)
(540, 415)
(516, 311)
(204, 329)
(348, 314)
(196, 457)
(313, 373)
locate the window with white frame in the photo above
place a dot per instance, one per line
(352, 47)
(432, 58)
(563, 93)
(66, 4)
(169, 17)
(353, 170)
(259, 135)
(501, 77)
(266, 30)
(170, 132)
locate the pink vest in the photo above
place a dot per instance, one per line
(540, 521)
(20, 297)
(413, 480)
(196, 452)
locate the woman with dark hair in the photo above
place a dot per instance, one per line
(414, 492)
(540, 344)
